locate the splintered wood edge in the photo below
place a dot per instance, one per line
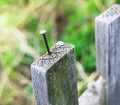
(58, 51)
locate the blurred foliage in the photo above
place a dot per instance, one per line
(20, 43)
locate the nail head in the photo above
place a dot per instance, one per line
(42, 32)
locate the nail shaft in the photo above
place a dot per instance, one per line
(46, 43)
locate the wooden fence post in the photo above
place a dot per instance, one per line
(54, 77)
(107, 30)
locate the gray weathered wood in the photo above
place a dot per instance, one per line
(54, 77)
(94, 95)
(107, 30)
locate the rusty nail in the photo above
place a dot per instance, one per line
(43, 32)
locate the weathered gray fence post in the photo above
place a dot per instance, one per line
(107, 30)
(54, 77)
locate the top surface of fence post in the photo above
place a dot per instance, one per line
(107, 30)
(54, 77)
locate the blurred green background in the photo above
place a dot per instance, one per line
(70, 21)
